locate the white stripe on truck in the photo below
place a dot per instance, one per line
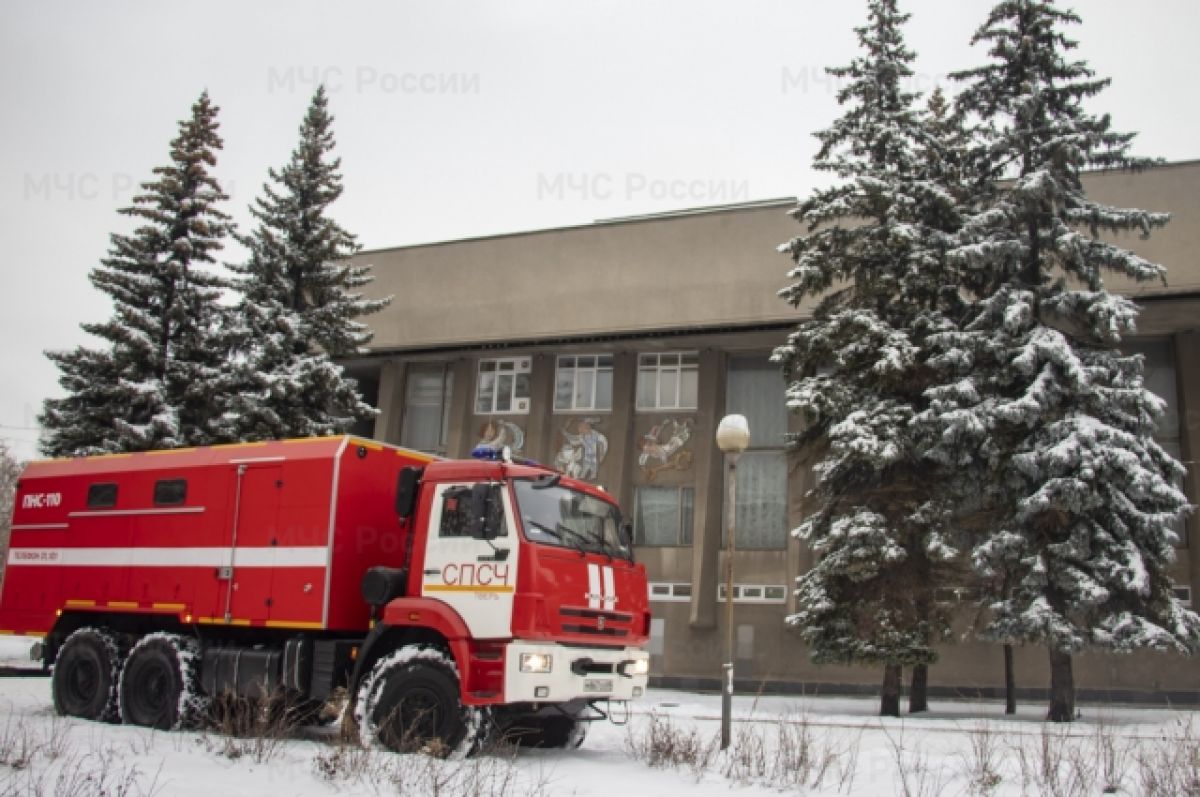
(276, 556)
(610, 591)
(593, 595)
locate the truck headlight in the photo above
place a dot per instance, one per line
(633, 667)
(536, 662)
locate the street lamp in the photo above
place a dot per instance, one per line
(733, 437)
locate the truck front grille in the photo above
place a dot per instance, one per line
(591, 629)
(596, 622)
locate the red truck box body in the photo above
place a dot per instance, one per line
(272, 534)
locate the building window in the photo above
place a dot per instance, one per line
(583, 382)
(668, 381)
(755, 593)
(1184, 594)
(755, 389)
(666, 592)
(1160, 378)
(663, 516)
(761, 501)
(427, 392)
(503, 386)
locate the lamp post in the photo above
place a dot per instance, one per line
(733, 437)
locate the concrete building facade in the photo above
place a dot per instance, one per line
(611, 350)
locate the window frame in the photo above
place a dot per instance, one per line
(684, 536)
(444, 405)
(518, 404)
(653, 362)
(741, 594)
(595, 370)
(744, 544)
(759, 446)
(670, 592)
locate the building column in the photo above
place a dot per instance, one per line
(1187, 369)
(461, 437)
(622, 444)
(539, 444)
(709, 520)
(390, 402)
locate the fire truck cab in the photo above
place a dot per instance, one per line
(453, 600)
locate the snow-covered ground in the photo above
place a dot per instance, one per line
(808, 745)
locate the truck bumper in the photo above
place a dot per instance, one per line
(571, 673)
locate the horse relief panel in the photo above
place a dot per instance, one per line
(665, 447)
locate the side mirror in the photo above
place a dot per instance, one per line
(546, 481)
(406, 491)
(627, 534)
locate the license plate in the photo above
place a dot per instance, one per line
(597, 685)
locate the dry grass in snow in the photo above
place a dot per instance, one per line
(781, 745)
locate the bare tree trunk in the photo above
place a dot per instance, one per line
(1062, 688)
(889, 700)
(1010, 682)
(918, 695)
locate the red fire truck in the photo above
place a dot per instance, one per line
(451, 598)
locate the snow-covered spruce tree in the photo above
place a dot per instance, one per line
(156, 383)
(1038, 402)
(10, 474)
(874, 255)
(297, 303)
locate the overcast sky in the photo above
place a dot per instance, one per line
(460, 119)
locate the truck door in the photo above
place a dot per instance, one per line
(477, 577)
(248, 578)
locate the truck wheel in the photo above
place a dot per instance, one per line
(563, 731)
(547, 731)
(160, 684)
(410, 701)
(86, 672)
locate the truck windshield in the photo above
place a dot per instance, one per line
(570, 519)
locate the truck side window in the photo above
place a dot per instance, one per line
(168, 492)
(456, 513)
(102, 495)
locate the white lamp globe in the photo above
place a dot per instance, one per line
(733, 434)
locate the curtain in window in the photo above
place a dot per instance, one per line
(663, 515)
(755, 389)
(761, 501)
(426, 402)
